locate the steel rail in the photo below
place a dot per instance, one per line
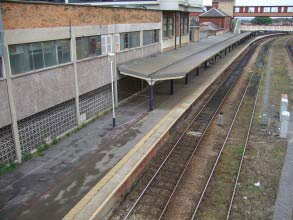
(245, 147)
(175, 145)
(223, 145)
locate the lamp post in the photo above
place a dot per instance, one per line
(111, 57)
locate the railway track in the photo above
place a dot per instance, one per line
(230, 177)
(289, 48)
(153, 200)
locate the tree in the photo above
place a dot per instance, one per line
(262, 20)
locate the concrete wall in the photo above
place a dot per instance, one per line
(5, 117)
(41, 90)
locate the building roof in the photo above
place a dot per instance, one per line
(214, 12)
(210, 26)
(177, 63)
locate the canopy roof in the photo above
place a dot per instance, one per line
(177, 63)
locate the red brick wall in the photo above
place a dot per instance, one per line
(223, 22)
(18, 15)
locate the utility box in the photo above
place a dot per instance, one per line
(284, 105)
(285, 117)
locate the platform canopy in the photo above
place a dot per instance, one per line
(176, 64)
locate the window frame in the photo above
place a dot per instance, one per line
(127, 41)
(169, 26)
(87, 40)
(28, 55)
(155, 36)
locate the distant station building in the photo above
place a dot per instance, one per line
(218, 17)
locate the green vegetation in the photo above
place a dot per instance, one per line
(262, 20)
(7, 168)
(26, 156)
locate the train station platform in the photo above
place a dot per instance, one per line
(83, 175)
(102, 197)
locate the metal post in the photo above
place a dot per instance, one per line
(151, 93)
(206, 64)
(197, 71)
(186, 79)
(171, 87)
(112, 88)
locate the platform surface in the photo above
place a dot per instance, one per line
(183, 97)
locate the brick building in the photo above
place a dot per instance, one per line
(218, 17)
(56, 72)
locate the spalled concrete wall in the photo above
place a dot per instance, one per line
(93, 73)
(5, 117)
(19, 15)
(41, 90)
(132, 54)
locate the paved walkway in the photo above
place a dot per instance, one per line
(48, 187)
(284, 202)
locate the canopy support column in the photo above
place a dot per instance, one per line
(151, 95)
(171, 87)
(186, 79)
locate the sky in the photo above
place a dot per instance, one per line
(257, 2)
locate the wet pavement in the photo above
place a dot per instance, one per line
(48, 187)
(284, 202)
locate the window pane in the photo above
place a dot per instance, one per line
(170, 23)
(251, 9)
(36, 56)
(267, 9)
(290, 9)
(147, 37)
(134, 39)
(92, 46)
(79, 48)
(157, 36)
(237, 9)
(122, 41)
(165, 33)
(63, 47)
(98, 45)
(50, 53)
(274, 9)
(19, 58)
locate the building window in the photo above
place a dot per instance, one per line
(184, 25)
(251, 10)
(274, 9)
(34, 56)
(236, 9)
(168, 27)
(129, 40)
(150, 37)
(266, 9)
(290, 9)
(88, 46)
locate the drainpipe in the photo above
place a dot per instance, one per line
(175, 30)
(180, 29)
